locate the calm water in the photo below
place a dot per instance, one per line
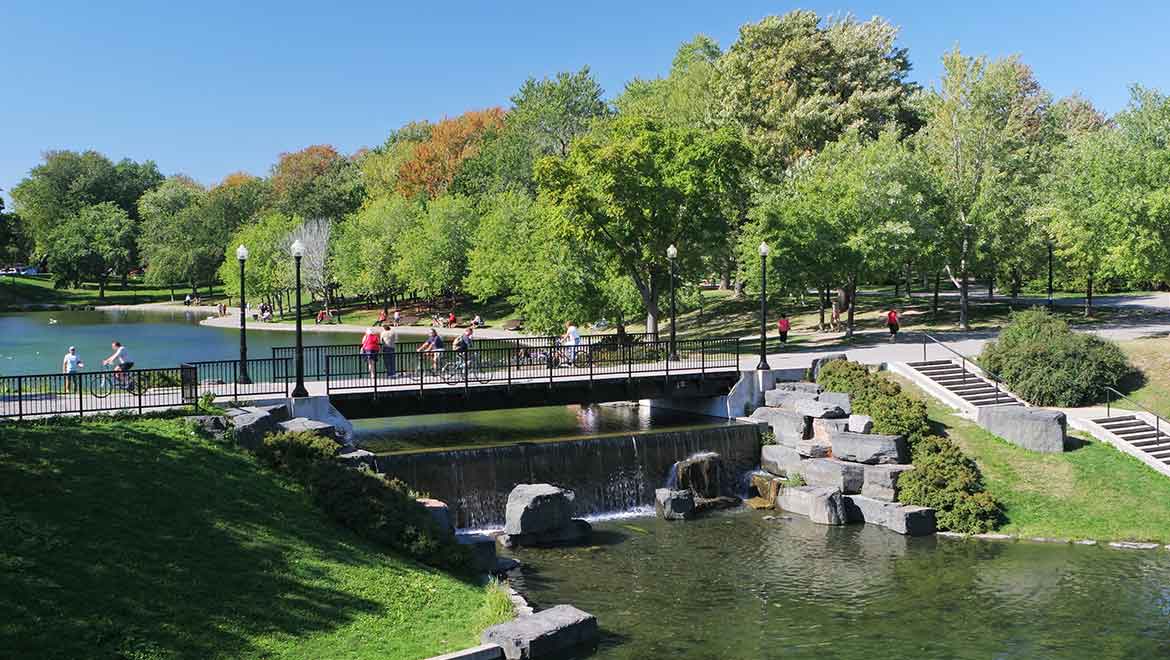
(736, 586)
(501, 427)
(29, 344)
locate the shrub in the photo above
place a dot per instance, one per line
(943, 478)
(296, 453)
(1042, 360)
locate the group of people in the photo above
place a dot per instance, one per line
(380, 340)
(71, 364)
(384, 319)
(190, 300)
(891, 318)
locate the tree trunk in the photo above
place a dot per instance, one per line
(1089, 296)
(897, 286)
(1017, 283)
(852, 304)
(738, 289)
(102, 288)
(125, 279)
(822, 296)
(909, 282)
(172, 293)
(725, 277)
(990, 286)
(934, 302)
(964, 263)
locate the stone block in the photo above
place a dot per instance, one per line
(881, 481)
(788, 427)
(306, 425)
(1035, 429)
(819, 363)
(674, 504)
(778, 398)
(779, 460)
(822, 505)
(839, 399)
(702, 473)
(833, 473)
(354, 458)
(483, 551)
(439, 512)
(823, 428)
(798, 386)
(278, 411)
(869, 447)
(251, 427)
(815, 409)
(575, 531)
(537, 508)
(481, 652)
(766, 486)
(549, 632)
(905, 519)
(860, 423)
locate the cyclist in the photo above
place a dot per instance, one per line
(434, 346)
(125, 363)
(70, 365)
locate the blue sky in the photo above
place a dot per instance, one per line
(208, 88)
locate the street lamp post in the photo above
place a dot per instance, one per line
(298, 251)
(242, 377)
(763, 365)
(672, 254)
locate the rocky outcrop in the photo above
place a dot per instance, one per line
(779, 460)
(766, 487)
(822, 505)
(838, 399)
(439, 512)
(787, 427)
(541, 514)
(550, 632)
(868, 447)
(815, 408)
(881, 481)
(251, 425)
(822, 429)
(674, 504)
(778, 398)
(905, 519)
(1035, 429)
(703, 474)
(306, 425)
(483, 551)
(708, 504)
(860, 423)
(833, 473)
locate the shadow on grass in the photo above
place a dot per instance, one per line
(121, 542)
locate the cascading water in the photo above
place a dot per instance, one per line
(609, 474)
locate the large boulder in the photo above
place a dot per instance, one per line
(766, 487)
(881, 481)
(537, 508)
(798, 386)
(905, 519)
(814, 448)
(819, 363)
(869, 447)
(833, 473)
(251, 427)
(306, 425)
(439, 512)
(483, 551)
(674, 504)
(1035, 429)
(822, 505)
(550, 632)
(778, 398)
(839, 399)
(787, 426)
(822, 429)
(779, 460)
(814, 408)
(860, 423)
(701, 473)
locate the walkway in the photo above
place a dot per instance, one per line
(232, 320)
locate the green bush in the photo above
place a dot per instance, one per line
(943, 478)
(384, 511)
(1042, 360)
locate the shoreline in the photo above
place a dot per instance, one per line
(232, 320)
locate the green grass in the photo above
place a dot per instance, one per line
(38, 290)
(135, 539)
(1093, 492)
(1152, 357)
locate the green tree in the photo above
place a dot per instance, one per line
(316, 182)
(687, 96)
(795, 82)
(552, 112)
(368, 244)
(269, 269)
(91, 246)
(15, 247)
(380, 165)
(236, 200)
(1145, 130)
(633, 187)
(432, 257)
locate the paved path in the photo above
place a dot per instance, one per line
(1156, 301)
(232, 320)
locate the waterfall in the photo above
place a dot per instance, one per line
(608, 474)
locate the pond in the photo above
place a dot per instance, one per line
(739, 586)
(30, 344)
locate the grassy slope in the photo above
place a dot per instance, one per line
(1094, 492)
(38, 290)
(133, 539)
(1152, 357)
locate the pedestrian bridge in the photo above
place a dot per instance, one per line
(496, 374)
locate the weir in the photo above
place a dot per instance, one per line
(608, 474)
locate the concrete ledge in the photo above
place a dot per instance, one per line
(545, 633)
(481, 652)
(1034, 429)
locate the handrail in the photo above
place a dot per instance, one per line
(992, 376)
(1157, 418)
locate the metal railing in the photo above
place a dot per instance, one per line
(1114, 394)
(509, 364)
(226, 379)
(984, 374)
(45, 395)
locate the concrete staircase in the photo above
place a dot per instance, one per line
(1139, 434)
(968, 385)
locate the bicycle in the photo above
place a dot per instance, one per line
(453, 370)
(103, 384)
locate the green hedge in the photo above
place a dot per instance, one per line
(1042, 360)
(943, 478)
(382, 510)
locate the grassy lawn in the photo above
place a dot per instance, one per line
(134, 539)
(1152, 357)
(38, 290)
(1094, 492)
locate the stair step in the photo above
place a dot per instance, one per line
(967, 385)
(972, 391)
(959, 378)
(984, 399)
(1150, 442)
(1159, 454)
(949, 373)
(928, 363)
(1126, 426)
(1109, 420)
(1137, 434)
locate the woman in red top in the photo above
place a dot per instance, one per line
(782, 326)
(892, 324)
(451, 320)
(371, 343)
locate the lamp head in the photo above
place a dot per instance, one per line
(298, 248)
(764, 249)
(671, 252)
(242, 253)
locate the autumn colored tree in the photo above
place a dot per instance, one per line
(436, 161)
(316, 182)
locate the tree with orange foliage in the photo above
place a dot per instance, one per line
(316, 182)
(436, 161)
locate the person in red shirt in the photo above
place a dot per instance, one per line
(783, 326)
(451, 320)
(371, 343)
(381, 318)
(892, 324)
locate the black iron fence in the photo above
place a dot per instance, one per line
(226, 378)
(528, 362)
(43, 395)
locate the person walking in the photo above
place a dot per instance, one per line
(782, 326)
(389, 337)
(370, 344)
(892, 324)
(571, 340)
(397, 317)
(70, 365)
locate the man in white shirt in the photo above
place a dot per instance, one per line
(125, 362)
(388, 337)
(571, 340)
(70, 365)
